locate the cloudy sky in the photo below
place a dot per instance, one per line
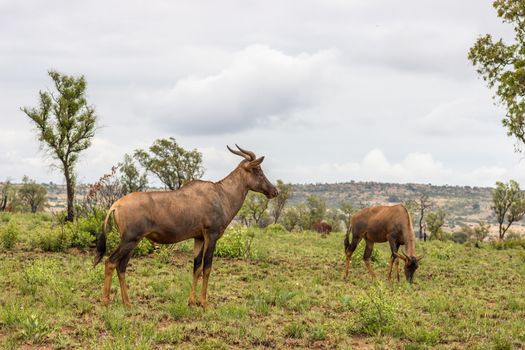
(327, 90)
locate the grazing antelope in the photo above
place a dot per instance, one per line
(200, 210)
(322, 227)
(382, 223)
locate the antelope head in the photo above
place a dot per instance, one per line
(252, 173)
(411, 265)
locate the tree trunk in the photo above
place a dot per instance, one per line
(3, 204)
(70, 188)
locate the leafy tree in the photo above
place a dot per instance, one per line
(290, 218)
(253, 210)
(172, 164)
(347, 210)
(65, 126)
(130, 178)
(32, 195)
(502, 66)
(278, 203)
(435, 221)
(508, 203)
(316, 208)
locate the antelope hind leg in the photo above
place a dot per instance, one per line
(198, 249)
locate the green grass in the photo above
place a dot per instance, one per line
(288, 295)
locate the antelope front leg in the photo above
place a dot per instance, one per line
(198, 249)
(208, 259)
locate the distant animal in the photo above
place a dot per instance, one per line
(200, 210)
(382, 223)
(322, 227)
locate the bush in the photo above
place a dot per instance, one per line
(143, 248)
(5, 217)
(459, 237)
(236, 243)
(377, 311)
(508, 244)
(275, 228)
(84, 230)
(9, 235)
(52, 240)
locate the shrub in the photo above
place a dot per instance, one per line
(143, 248)
(376, 311)
(5, 217)
(236, 243)
(275, 228)
(9, 235)
(508, 244)
(459, 237)
(52, 240)
(84, 230)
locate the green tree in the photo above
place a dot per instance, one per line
(131, 179)
(316, 208)
(32, 195)
(278, 203)
(65, 126)
(172, 164)
(502, 66)
(508, 203)
(435, 221)
(253, 210)
(347, 210)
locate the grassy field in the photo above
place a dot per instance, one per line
(287, 294)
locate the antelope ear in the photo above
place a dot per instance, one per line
(254, 163)
(418, 258)
(400, 257)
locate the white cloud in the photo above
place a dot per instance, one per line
(260, 86)
(413, 168)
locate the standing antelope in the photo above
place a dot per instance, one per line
(200, 210)
(382, 223)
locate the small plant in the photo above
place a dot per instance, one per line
(318, 333)
(34, 328)
(9, 235)
(294, 330)
(236, 243)
(377, 310)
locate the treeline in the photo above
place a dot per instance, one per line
(26, 197)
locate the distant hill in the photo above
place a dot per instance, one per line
(464, 204)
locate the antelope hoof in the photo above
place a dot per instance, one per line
(105, 301)
(202, 303)
(127, 305)
(191, 302)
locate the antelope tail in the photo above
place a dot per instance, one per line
(101, 240)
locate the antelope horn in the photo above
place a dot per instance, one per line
(239, 153)
(249, 153)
